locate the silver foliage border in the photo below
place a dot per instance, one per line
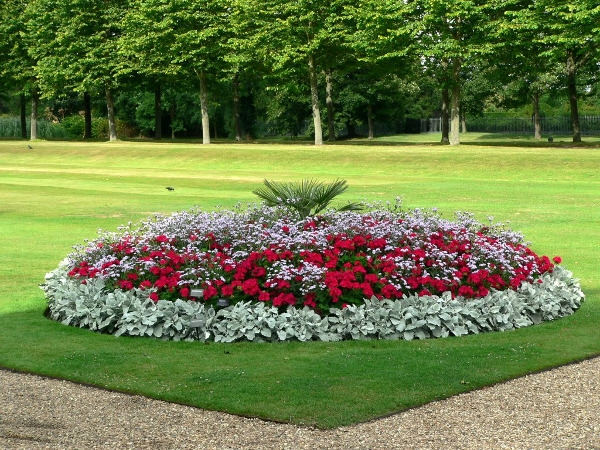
(132, 313)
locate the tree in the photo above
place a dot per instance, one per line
(570, 31)
(452, 36)
(17, 67)
(380, 38)
(564, 34)
(179, 39)
(75, 45)
(296, 36)
(245, 67)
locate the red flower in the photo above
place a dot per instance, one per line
(210, 292)
(250, 287)
(367, 290)
(161, 282)
(259, 272)
(271, 255)
(466, 291)
(125, 284)
(389, 291)
(557, 260)
(227, 290)
(377, 243)
(284, 299)
(371, 278)
(358, 268)
(482, 291)
(359, 241)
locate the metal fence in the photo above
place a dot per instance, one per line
(590, 125)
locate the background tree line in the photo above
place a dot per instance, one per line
(240, 68)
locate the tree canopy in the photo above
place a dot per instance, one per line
(245, 59)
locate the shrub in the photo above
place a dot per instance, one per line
(307, 198)
(74, 125)
(132, 313)
(323, 264)
(10, 127)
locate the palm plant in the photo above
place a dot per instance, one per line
(307, 198)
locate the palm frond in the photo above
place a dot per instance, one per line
(308, 197)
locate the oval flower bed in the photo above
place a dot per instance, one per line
(258, 274)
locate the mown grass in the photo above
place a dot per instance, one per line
(59, 193)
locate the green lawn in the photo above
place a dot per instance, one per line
(59, 193)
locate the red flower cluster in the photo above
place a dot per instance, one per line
(155, 270)
(347, 270)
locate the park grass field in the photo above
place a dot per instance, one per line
(58, 194)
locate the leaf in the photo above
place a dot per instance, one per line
(408, 335)
(307, 198)
(266, 332)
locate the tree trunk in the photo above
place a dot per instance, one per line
(23, 102)
(172, 115)
(370, 120)
(236, 108)
(87, 116)
(112, 124)
(33, 125)
(329, 103)
(537, 123)
(314, 96)
(157, 113)
(351, 129)
(572, 85)
(455, 104)
(204, 109)
(445, 116)
(463, 122)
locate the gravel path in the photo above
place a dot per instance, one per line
(558, 409)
